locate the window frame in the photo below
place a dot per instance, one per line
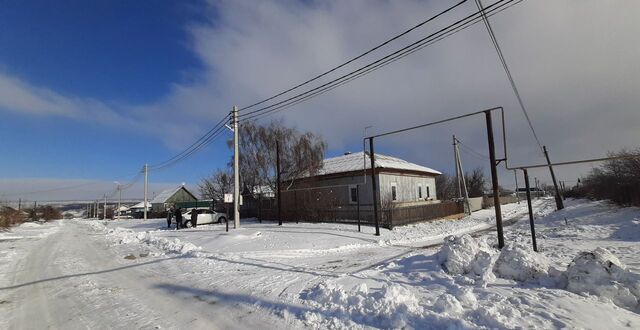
(351, 187)
(394, 191)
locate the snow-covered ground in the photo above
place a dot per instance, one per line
(137, 274)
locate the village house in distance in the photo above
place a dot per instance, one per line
(341, 190)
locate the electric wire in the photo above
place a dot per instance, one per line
(434, 40)
(503, 61)
(390, 58)
(354, 58)
(194, 147)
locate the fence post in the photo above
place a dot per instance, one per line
(374, 186)
(533, 229)
(358, 205)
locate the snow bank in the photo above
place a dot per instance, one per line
(128, 236)
(519, 262)
(466, 255)
(600, 273)
(389, 307)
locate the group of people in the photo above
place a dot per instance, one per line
(177, 214)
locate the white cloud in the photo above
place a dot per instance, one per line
(574, 62)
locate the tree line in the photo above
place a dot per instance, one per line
(615, 180)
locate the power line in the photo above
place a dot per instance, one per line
(390, 58)
(430, 42)
(355, 58)
(215, 134)
(507, 71)
(472, 152)
(194, 147)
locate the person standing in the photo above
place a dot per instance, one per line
(194, 218)
(169, 215)
(178, 214)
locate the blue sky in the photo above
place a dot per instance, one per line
(91, 90)
(118, 52)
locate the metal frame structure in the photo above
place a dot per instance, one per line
(492, 156)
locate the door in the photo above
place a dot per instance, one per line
(205, 216)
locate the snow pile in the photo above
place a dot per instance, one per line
(128, 236)
(172, 246)
(519, 262)
(390, 307)
(601, 273)
(466, 255)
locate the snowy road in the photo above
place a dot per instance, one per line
(69, 280)
(65, 274)
(134, 274)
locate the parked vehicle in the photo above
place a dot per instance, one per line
(205, 216)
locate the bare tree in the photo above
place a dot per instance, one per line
(300, 154)
(476, 182)
(446, 186)
(216, 185)
(616, 180)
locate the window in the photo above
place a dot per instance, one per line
(428, 192)
(420, 192)
(353, 194)
(394, 195)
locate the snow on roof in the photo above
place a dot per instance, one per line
(165, 195)
(140, 205)
(356, 162)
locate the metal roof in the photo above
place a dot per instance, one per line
(359, 161)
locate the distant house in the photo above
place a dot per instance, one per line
(137, 210)
(341, 182)
(169, 197)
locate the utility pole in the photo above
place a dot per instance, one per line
(460, 174)
(236, 170)
(494, 178)
(119, 200)
(374, 186)
(146, 189)
(19, 204)
(278, 182)
(559, 203)
(104, 212)
(455, 159)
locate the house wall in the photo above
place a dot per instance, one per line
(406, 187)
(179, 196)
(336, 189)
